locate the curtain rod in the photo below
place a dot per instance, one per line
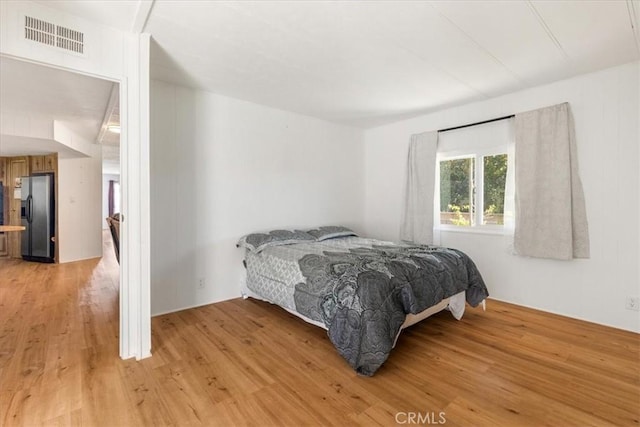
(476, 124)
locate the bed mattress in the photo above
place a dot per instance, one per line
(363, 291)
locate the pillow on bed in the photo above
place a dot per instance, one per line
(258, 241)
(330, 232)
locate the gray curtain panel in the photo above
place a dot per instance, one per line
(417, 218)
(551, 219)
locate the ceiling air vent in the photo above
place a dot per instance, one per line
(53, 35)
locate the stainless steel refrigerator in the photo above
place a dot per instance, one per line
(38, 216)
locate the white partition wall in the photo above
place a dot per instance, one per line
(222, 168)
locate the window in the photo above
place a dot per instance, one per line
(457, 191)
(471, 177)
(113, 197)
(494, 178)
(472, 190)
(116, 197)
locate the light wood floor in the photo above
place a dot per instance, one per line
(249, 363)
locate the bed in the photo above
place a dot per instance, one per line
(362, 291)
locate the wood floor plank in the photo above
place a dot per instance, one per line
(142, 391)
(245, 362)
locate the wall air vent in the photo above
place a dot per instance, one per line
(39, 31)
(53, 35)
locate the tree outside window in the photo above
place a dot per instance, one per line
(469, 182)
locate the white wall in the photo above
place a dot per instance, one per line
(103, 45)
(105, 196)
(79, 197)
(79, 208)
(605, 107)
(222, 168)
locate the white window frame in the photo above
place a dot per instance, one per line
(477, 199)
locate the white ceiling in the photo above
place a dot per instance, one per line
(51, 94)
(365, 63)
(114, 13)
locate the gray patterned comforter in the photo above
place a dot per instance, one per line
(362, 290)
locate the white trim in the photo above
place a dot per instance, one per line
(145, 198)
(109, 78)
(126, 343)
(142, 15)
(135, 307)
(559, 313)
(198, 305)
(483, 229)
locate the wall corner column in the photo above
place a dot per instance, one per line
(135, 294)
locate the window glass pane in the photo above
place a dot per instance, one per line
(116, 197)
(456, 191)
(495, 175)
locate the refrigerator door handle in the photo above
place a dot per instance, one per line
(30, 209)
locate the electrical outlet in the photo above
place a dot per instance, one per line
(201, 283)
(632, 303)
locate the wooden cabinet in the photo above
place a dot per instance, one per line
(46, 163)
(16, 167)
(51, 163)
(4, 251)
(37, 164)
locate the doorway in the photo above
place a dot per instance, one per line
(133, 77)
(64, 121)
(57, 117)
